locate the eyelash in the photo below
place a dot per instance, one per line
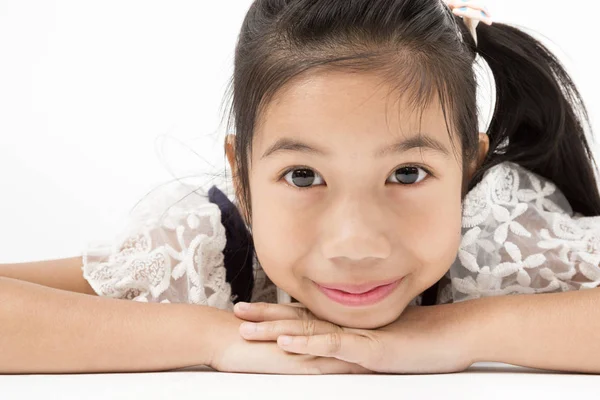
(287, 171)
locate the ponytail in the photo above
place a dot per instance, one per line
(535, 122)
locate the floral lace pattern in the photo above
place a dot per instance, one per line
(164, 256)
(519, 235)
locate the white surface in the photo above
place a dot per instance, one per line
(481, 381)
(87, 87)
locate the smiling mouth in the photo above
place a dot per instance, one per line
(358, 288)
(360, 298)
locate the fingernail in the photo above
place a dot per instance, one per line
(285, 340)
(249, 327)
(463, 9)
(243, 306)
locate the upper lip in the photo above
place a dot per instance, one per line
(357, 288)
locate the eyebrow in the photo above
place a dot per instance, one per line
(417, 141)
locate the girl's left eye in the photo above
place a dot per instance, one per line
(410, 175)
(303, 177)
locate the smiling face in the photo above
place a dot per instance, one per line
(351, 194)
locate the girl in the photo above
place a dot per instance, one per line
(371, 226)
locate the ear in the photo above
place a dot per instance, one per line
(230, 153)
(230, 150)
(483, 148)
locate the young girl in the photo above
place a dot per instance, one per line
(363, 192)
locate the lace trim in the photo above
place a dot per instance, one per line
(175, 258)
(520, 236)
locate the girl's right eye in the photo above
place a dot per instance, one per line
(300, 177)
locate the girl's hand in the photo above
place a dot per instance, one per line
(231, 353)
(428, 339)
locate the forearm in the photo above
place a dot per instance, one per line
(64, 273)
(45, 330)
(553, 331)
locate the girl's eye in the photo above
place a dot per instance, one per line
(303, 178)
(410, 175)
(300, 177)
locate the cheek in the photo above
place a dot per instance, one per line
(280, 239)
(434, 233)
(438, 238)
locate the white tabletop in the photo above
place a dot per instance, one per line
(480, 381)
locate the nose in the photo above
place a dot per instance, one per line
(356, 228)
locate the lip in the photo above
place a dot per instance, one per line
(357, 289)
(374, 293)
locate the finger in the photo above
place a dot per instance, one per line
(348, 347)
(295, 305)
(271, 312)
(271, 330)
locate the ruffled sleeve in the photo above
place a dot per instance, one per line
(169, 251)
(520, 236)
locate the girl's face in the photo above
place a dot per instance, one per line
(345, 191)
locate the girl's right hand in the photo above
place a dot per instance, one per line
(232, 353)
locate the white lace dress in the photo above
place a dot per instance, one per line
(519, 236)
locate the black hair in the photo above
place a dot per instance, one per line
(424, 50)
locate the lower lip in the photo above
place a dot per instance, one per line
(360, 299)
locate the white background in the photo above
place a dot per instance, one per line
(100, 101)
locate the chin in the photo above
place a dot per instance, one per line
(373, 318)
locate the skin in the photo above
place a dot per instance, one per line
(356, 223)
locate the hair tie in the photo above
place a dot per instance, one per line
(472, 12)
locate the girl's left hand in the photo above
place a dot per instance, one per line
(431, 339)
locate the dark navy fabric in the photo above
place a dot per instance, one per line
(430, 295)
(239, 249)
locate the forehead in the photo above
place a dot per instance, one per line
(334, 107)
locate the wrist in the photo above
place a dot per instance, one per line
(205, 323)
(483, 321)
